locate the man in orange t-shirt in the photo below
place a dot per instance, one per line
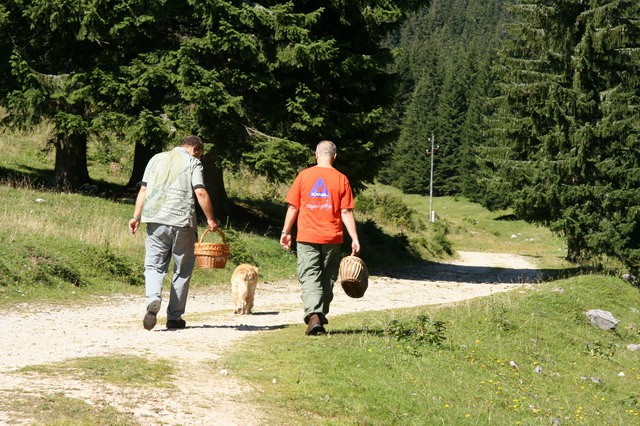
(321, 200)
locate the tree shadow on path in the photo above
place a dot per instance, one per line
(435, 271)
(239, 327)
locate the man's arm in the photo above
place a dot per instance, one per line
(207, 207)
(285, 237)
(134, 223)
(350, 223)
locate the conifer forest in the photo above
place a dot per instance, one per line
(532, 105)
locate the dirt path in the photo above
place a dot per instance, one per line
(206, 393)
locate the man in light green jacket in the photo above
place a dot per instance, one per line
(171, 183)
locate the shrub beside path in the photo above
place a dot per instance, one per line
(205, 393)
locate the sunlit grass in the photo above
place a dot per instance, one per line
(524, 357)
(26, 151)
(474, 228)
(130, 371)
(91, 220)
(58, 409)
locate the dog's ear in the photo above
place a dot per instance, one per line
(257, 270)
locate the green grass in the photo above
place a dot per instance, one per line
(130, 371)
(518, 358)
(433, 365)
(57, 410)
(63, 246)
(470, 227)
(26, 156)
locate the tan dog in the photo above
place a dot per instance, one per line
(243, 285)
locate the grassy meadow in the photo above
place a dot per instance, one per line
(471, 227)
(525, 357)
(66, 246)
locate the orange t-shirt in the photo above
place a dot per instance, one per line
(319, 194)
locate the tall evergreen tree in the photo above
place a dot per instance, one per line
(457, 38)
(66, 62)
(450, 117)
(47, 87)
(5, 51)
(250, 78)
(474, 130)
(569, 118)
(409, 168)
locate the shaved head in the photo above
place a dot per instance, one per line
(326, 148)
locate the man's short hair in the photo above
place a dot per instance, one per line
(326, 148)
(192, 140)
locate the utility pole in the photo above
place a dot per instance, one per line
(432, 216)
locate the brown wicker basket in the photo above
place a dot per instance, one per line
(211, 255)
(354, 276)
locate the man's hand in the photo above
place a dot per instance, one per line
(134, 224)
(285, 241)
(285, 235)
(355, 247)
(213, 225)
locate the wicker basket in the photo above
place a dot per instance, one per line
(354, 276)
(211, 255)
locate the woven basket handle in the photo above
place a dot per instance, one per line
(353, 253)
(224, 241)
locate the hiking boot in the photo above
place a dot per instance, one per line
(176, 324)
(315, 326)
(150, 319)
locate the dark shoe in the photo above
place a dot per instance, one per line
(150, 319)
(315, 326)
(176, 324)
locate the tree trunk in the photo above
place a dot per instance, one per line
(141, 157)
(574, 252)
(214, 181)
(70, 171)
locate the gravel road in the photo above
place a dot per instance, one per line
(205, 392)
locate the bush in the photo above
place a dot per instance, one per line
(390, 210)
(417, 334)
(396, 228)
(239, 250)
(105, 260)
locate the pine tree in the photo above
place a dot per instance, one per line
(568, 122)
(451, 116)
(410, 166)
(474, 130)
(66, 62)
(5, 52)
(457, 38)
(253, 79)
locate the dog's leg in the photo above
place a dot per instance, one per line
(249, 302)
(236, 298)
(242, 299)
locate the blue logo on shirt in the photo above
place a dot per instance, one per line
(319, 190)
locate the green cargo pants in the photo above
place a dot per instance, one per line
(317, 272)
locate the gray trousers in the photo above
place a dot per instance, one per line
(317, 272)
(162, 244)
